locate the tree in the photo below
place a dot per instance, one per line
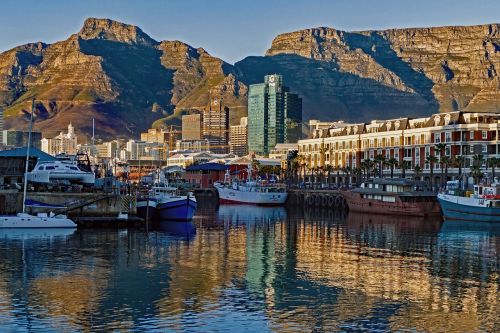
(392, 163)
(459, 163)
(380, 159)
(431, 160)
(405, 165)
(357, 172)
(493, 163)
(329, 169)
(418, 171)
(477, 160)
(446, 162)
(476, 174)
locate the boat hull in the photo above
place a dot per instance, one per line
(358, 204)
(177, 209)
(467, 209)
(231, 196)
(146, 209)
(29, 221)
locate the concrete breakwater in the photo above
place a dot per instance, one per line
(76, 204)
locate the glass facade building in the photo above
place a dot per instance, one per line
(274, 115)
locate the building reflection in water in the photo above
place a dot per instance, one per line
(260, 269)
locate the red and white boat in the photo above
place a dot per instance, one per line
(253, 192)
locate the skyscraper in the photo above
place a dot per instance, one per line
(192, 126)
(216, 126)
(274, 115)
(238, 138)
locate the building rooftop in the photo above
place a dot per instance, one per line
(34, 152)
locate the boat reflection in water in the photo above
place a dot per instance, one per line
(238, 214)
(177, 228)
(34, 233)
(257, 269)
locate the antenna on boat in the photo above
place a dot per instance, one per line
(25, 189)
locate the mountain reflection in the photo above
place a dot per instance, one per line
(259, 269)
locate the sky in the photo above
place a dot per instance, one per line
(232, 29)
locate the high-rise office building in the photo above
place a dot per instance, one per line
(16, 139)
(192, 126)
(1, 126)
(238, 138)
(274, 115)
(216, 126)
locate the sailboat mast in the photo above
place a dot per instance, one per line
(25, 189)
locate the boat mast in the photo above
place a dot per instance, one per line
(25, 189)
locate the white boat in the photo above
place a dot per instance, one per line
(483, 205)
(51, 172)
(254, 192)
(41, 220)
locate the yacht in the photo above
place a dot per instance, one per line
(253, 192)
(392, 196)
(480, 205)
(54, 172)
(41, 220)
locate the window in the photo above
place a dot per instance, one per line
(447, 137)
(471, 135)
(484, 135)
(484, 148)
(447, 151)
(408, 152)
(427, 151)
(437, 137)
(417, 152)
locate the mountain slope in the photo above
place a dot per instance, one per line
(109, 71)
(380, 74)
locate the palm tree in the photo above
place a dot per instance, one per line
(405, 165)
(392, 163)
(446, 162)
(493, 163)
(347, 171)
(329, 169)
(357, 172)
(380, 159)
(418, 170)
(431, 160)
(477, 160)
(476, 173)
(459, 162)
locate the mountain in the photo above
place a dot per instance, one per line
(358, 76)
(112, 72)
(117, 74)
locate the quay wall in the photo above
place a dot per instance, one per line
(320, 198)
(78, 204)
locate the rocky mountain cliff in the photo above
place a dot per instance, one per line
(126, 80)
(382, 74)
(112, 72)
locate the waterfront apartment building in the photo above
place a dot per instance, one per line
(192, 145)
(238, 138)
(463, 134)
(64, 143)
(192, 126)
(216, 126)
(17, 139)
(274, 115)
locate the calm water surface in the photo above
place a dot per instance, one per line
(256, 270)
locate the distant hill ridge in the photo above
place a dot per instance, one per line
(117, 74)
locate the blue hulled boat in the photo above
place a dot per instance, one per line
(176, 207)
(482, 205)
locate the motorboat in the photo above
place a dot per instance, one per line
(41, 220)
(167, 203)
(254, 192)
(57, 172)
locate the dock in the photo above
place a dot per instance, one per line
(109, 222)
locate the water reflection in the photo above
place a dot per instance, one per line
(256, 269)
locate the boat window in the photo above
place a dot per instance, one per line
(40, 168)
(73, 168)
(49, 168)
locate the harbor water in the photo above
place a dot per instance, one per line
(250, 269)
